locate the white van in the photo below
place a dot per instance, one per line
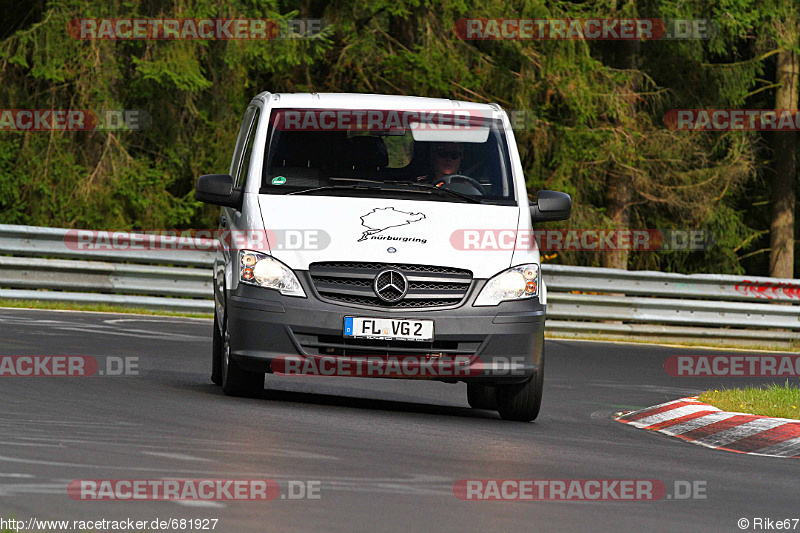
(383, 238)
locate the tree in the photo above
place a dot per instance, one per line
(599, 108)
(767, 31)
(781, 258)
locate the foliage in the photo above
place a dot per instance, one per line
(594, 119)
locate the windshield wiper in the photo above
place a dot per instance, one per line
(340, 187)
(359, 180)
(429, 187)
(356, 188)
(419, 188)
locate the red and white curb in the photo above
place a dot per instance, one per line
(703, 424)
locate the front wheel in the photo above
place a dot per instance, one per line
(480, 396)
(236, 381)
(216, 353)
(521, 401)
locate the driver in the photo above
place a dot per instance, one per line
(445, 160)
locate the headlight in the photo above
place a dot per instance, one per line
(516, 283)
(260, 269)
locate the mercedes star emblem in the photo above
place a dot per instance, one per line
(390, 285)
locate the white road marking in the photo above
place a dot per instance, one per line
(159, 319)
(13, 489)
(32, 444)
(201, 445)
(200, 503)
(416, 485)
(177, 456)
(131, 333)
(102, 329)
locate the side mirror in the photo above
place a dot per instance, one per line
(218, 189)
(551, 205)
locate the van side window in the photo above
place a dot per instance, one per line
(248, 151)
(244, 146)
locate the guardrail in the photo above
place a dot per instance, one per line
(48, 264)
(718, 309)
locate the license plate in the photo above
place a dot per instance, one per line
(388, 328)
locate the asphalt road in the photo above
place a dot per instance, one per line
(386, 453)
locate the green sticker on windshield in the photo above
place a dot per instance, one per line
(278, 180)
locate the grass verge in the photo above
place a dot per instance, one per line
(679, 342)
(781, 401)
(100, 308)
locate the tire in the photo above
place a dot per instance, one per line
(237, 381)
(521, 402)
(480, 396)
(216, 354)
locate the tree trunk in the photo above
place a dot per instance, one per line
(781, 257)
(403, 29)
(617, 198)
(624, 55)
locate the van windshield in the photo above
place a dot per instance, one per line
(450, 156)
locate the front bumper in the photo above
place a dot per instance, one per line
(503, 344)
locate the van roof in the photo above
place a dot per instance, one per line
(366, 101)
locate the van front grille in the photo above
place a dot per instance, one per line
(352, 283)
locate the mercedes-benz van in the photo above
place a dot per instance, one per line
(382, 236)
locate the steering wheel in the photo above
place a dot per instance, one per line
(461, 179)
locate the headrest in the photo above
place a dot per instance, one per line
(368, 152)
